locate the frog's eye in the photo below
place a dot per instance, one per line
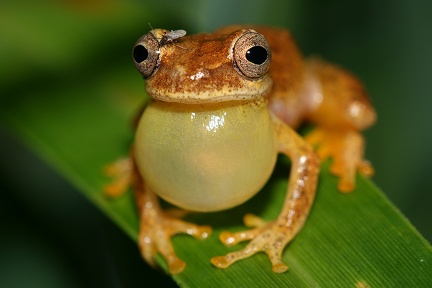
(145, 54)
(252, 55)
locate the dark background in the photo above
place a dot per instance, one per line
(51, 239)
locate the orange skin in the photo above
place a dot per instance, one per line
(193, 74)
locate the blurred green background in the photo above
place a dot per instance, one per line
(51, 236)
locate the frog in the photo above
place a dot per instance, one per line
(222, 106)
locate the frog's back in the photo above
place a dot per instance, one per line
(312, 89)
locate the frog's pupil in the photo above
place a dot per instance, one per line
(140, 53)
(256, 55)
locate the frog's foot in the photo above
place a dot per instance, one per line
(271, 238)
(121, 171)
(156, 231)
(346, 148)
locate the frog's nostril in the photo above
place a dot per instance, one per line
(140, 53)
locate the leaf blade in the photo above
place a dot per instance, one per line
(327, 224)
(79, 126)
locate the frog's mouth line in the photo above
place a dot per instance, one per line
(247, 93)
(201, 99)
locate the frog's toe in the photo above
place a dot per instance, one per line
(366, 168)
(163, 246)
(230, 258)
(270, 238)
(175, 265)
(121, 171)
(147, 248)
(345, 172)
(261, 244)
(220, 262)
(229, 239)
(346, 148)
(347, 175)
(156, 231)
(279, 267)
(200, 232)
(346, 185)
(177, 226)
(252, 220)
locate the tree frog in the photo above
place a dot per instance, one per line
(223, 105)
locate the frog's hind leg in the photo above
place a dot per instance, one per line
(343, 110)
(346, 148)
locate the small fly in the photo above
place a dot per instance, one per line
(171, 36)
(168, 37)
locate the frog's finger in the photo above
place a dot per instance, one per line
(157, 238)
(252, 220)
(230, 258)
(229, 239)
(175, 265)
(366, 168)
(121, 171)
(146, 247)
(269, 239)
(177, 226)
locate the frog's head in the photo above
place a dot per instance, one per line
(204, 68)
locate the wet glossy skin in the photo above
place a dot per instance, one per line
(222, 106)
(201, 148)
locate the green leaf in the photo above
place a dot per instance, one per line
(80, 122)
(349, 238)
